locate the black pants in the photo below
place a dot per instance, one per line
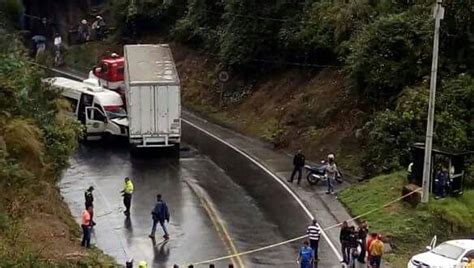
(86, 236)
(345, 250)
(314, 244)
(363, 251)
(300, 173)
(127, 201)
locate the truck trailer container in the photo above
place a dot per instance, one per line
(153, 97)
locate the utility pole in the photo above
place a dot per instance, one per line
(438, 16)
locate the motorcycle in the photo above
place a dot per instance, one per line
(315, 174)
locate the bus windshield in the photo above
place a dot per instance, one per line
(115, 112)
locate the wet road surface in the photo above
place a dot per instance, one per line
(211, 216)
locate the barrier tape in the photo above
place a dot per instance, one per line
(283, 242)
(300, 237)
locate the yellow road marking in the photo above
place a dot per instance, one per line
(220, 228)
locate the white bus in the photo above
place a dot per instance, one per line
(102, 111)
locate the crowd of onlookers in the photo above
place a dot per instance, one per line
(84, 32)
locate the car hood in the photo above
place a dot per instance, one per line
(121, 121)
(434, 260)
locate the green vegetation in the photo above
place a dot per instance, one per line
(384, 47)
(408, 229)
(391, 132)
(36, 139)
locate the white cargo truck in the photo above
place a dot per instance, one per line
(153, 96)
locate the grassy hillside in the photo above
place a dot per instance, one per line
(36, 139)
(409, 229)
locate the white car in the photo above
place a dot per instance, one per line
(450, 254)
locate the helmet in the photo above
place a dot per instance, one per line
(142, 264)
(84, 21)
(331, 156)
(98, 17)
(114, 55)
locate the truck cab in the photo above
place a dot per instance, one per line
(109, 72)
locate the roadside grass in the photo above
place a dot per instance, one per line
(408, 229)
(83, 57)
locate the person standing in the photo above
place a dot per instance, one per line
(376, 251)
(98, 27)
(362, 235)
(89, 198)
(470, 262)
(440, 183)
(298, 164)
(127, 195)
(344, 239)
(305, 256)
(371, 239)
(314, 233)
(352, 247)
(84, 31)
(86, 227)
(330, 173)
(160, 214)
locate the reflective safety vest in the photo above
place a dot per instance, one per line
(128, 188)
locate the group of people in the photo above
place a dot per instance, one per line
(308, 253)
(331, 172)
(160, 212)
(98, 29)
(442, 179)
(357, 244)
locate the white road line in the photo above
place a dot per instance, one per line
(298, 200)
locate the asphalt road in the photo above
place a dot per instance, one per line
(211, 216)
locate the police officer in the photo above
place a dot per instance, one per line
(89, 197)
(127, 195)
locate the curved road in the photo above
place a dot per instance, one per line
(211, 216)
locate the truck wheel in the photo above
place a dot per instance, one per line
(133, 150)
(176, 149)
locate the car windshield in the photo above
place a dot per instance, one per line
(448, 251)
(115, 112)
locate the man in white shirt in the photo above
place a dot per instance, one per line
(57, 41)
(314, 233)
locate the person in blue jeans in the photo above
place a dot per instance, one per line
(305, 256)
(160, 214)
(331, 173)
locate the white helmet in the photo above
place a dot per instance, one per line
(331, 156)
(84, 21)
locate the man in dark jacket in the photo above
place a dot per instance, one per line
(344, 239)
(89, 197)
(362, 235)
(160, 213)
(298, 164)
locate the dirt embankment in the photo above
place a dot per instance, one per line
(308, 108)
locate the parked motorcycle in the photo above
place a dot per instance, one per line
(315, 174)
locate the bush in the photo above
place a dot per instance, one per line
(199, 26)
(391, 132)
(390, 53)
